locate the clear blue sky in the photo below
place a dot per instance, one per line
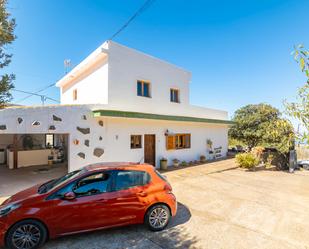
(238, 51)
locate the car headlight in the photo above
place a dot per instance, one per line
(6, 209)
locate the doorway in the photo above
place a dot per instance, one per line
(150, 149)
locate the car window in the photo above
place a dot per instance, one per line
(57, 182)
(93, 184)
(129, 179)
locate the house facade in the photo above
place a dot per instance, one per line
(118, 104)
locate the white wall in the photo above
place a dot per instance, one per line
(118, 133)
(115, 149)
(114, 84)
(126, 66)
(91, 89)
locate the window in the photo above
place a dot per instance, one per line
(136, 141)
(49, 140)
(93, 184)
(75, 94)
(143, 88)
(175, 95)
(178, 141)
(129, 179)
(57, 182)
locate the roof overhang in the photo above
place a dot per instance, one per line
(84, 69)
(141, 115)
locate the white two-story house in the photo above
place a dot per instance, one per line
(118, 104)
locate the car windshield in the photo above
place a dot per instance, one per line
(56, 182)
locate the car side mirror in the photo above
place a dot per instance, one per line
(69, 196)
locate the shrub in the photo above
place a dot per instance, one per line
(184, 163)
(269, 160)
(247, 160)
(258, 151)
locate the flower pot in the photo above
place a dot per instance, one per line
(163, 164)
(176, 164)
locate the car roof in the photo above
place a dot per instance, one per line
(118, 165)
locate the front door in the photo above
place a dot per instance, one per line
(150, 149)
(89, 210)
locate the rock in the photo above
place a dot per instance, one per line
(87, 142)
(52, 127)
(83, 130)
(36, 123)
(98, 152)
(101, 123)
(20, 120)
(82, 155)
(2, 127)
(55, 118)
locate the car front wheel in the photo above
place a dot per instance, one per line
(27, 234)
(158, 217)
(306, 166)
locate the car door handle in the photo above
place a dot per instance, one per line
(142, 194)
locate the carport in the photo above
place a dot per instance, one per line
(27, 159)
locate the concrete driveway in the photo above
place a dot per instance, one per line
(220, 206)
(13, 181)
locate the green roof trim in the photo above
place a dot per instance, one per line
(122, 114)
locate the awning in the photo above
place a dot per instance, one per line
(141, 115)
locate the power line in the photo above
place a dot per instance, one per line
(43, 97)
(146, 5)
(34, 93)
(136, 14)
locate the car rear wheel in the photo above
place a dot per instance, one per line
(27, 234)
(158, 217)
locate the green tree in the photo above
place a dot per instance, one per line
(7, 26)
(262, 125)
(300, 108)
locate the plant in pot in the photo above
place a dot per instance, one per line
(163, 163)
(209, 149)
(175, 162)
(203, 159)
(209, 144)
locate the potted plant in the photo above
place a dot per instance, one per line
(209, 149)
(209, 144)
(175, 162)
(211, 155)
(163, 163)
(202, 159)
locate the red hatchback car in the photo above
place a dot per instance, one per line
(95, 197)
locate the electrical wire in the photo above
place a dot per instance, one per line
(136, 14)
(40, 95)
(34, 93)
(146, 5)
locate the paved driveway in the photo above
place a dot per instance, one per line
(220, 207)
(13, 181)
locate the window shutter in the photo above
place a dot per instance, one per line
(170, 142)
(188, 140)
